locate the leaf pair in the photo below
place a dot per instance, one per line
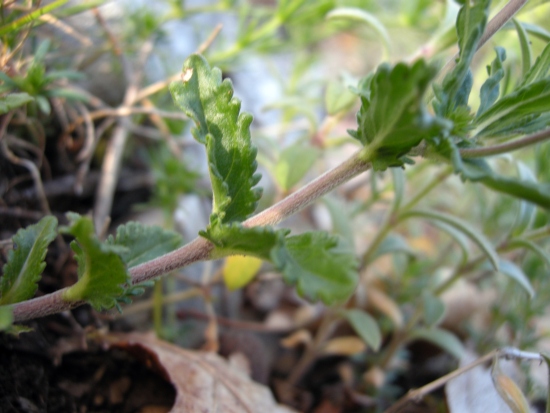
(102, 266)
(314, 261)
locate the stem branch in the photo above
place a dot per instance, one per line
(199, 249)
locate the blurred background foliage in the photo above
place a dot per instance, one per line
(70, 72)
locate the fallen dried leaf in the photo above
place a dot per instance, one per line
(204, 382)
(344, 346)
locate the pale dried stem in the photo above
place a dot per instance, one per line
(418, 394)
(200, 248)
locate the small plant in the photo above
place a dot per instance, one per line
(414, 118)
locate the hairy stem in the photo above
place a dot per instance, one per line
(199, 249)
(507, 146)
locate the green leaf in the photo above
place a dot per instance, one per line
(340, 217)
(102, 274)
(143, 243)
(456, 86)
(512, 271)
(360, 15)
(398, 178)
(17, 25)
(393, 118)
(235, 239)
(433, 308)
(224, 131)
(516, 112)
(537, 31)
(441, 338)
(6, 318)
(477, 237)
(527, 210)
(478, 170)
(491, 88)
(457, 235)
(525, 45)
(540, 68)
(365, 326)
(394, 243)
(317, 264)
(26, 261)
(13, 101)
(293, 163)
(524, 243)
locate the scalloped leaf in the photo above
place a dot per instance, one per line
(143, 243)
(26, 261)
(318, 265)
(102, 274)
(209, 101)
(393, 117)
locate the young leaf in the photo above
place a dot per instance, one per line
(234, 239)
(293, 163)
(102, 274)
(441, 338)
(26, 261)
(366, 327)
(239, 270)
(540, 69)
(491, 88)
(478, 170)
(393, 118)
(143, 243)
(456, 86)
(315, 263)
(471, 232)
(13, 101)
(516, 112)
(225, 132)
(525, 45)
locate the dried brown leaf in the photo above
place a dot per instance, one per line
(204, 382)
